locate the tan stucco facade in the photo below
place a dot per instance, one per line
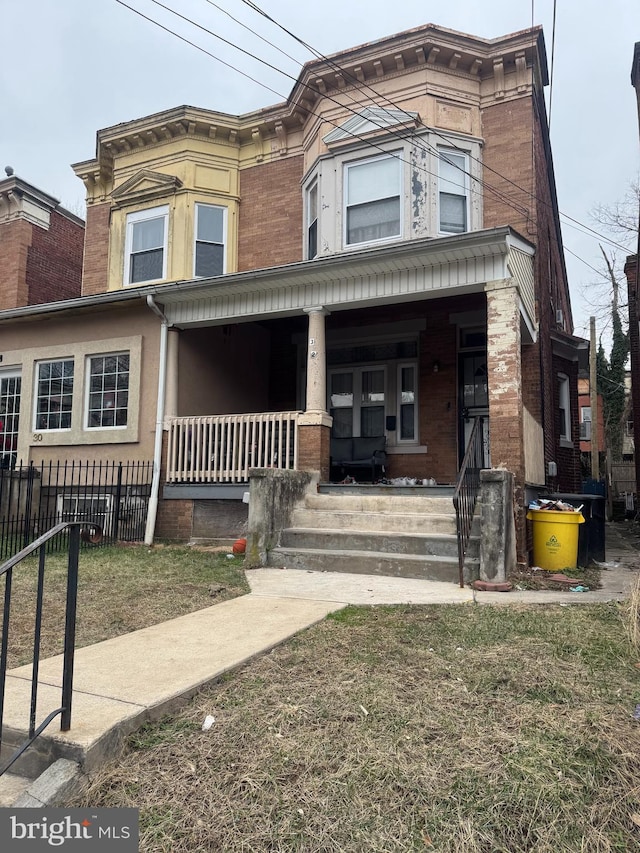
(109, 329)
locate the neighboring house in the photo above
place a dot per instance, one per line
(379, 255)
(585, 415)
(41, 247)
(632, 268)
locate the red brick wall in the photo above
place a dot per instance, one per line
(174, 520)
(270, 221)
(54, 264)
(96, 250)
(314, 450)
(506, 129)
(40, 265)
(15, 238)
(631, 270)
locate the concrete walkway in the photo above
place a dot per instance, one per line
(123, 682)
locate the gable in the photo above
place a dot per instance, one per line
(146, 185)
(370, 120)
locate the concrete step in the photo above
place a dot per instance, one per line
(366, 563)
(384, 489)
(11, 786)
(406, 522)
(392, 543)
(380, 503)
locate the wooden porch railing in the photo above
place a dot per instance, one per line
(222, 448)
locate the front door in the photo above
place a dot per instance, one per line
(474, 400)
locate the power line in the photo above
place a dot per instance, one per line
(502, 198)
(357, 82)
(430, 149)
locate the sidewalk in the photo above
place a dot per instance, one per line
(121, 683)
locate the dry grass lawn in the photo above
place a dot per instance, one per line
(455, 729)
(120, 589)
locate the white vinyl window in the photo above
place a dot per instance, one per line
(453, 192)
(312, 221)
(54, 395)
(210, 240)
(107, 392)
(372, 200)
(564, 408)
(145, 254)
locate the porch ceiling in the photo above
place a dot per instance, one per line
(400, 273)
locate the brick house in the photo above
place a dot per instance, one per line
(378, 256)
(41, 247)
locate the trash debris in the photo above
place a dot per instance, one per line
(230, 556)
(208, 722)
(610, 564)
(555, 506)
(635, 818)
(636, 713)
(364, 710)
(579, 588)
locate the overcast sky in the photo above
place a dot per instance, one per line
(70, 67)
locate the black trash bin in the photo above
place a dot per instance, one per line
(591, 538)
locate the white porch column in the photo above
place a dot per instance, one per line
(316, 361)
(171, 398)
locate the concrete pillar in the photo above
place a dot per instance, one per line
(497, 529)
(316, 361)
(171, 392)
(504, 368)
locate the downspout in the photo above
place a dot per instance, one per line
(152, 510)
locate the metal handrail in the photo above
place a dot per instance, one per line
(466, 492)
(77, 530)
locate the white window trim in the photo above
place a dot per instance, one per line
(564, 403)
(315, 184)
(87, 390)
(36, 379)
(398, 155)
(141, 216)
(398, 394)
(224, 210)
(467, 191)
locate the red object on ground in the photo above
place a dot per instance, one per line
(488, 586)
(239, 546)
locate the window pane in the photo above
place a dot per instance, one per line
(55, 395)
(372, 421)
(407, 421)
(209, 259)
(210, 223)
(146, 266)
(342, 390)
(453, 213)
(108, 397)
(375, 180)
(312, 248)
(148, 234)
(373, 388)
(452, 173)
(374, 221)
(342, 423)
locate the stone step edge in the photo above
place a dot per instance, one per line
(351, 531)
(386, 555)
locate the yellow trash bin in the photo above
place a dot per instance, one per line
(555, 538)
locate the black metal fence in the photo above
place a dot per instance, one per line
(34, 498)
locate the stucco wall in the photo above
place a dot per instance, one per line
(133, 329)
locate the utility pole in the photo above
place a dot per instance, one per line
(593, 395)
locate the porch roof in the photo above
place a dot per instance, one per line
(402, 272)
(396, 273)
